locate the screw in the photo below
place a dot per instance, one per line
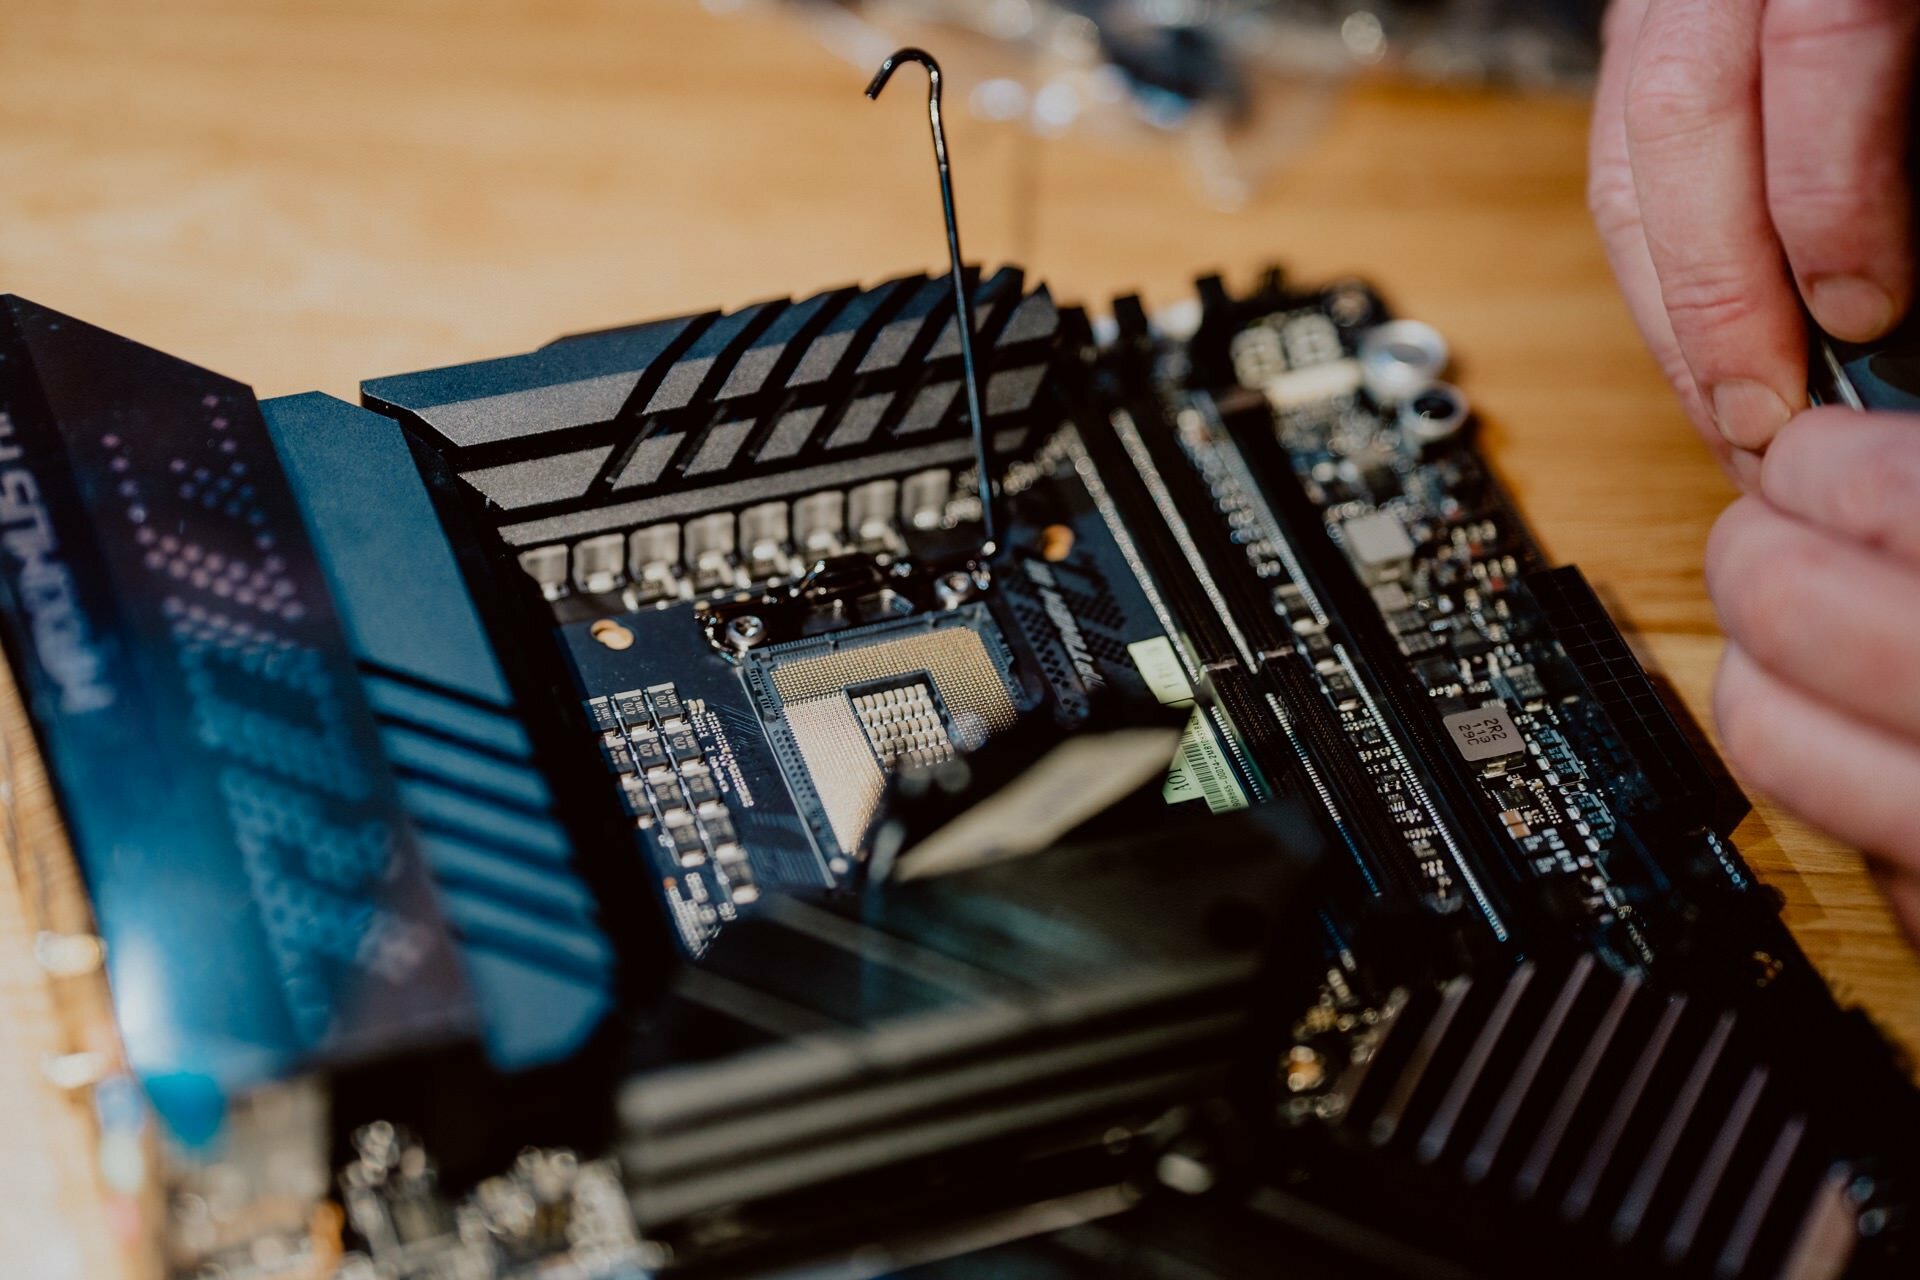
(955, 588)
(745, 631)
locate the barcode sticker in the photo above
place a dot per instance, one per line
(1200, 771)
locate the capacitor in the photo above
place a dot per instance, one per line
(1402, 358)
(819, 523)
(653, 558)
(1435, 414)
(763, 538)
(548, 567)
(870, 515)
(709, 550)
(923, 497)
(599, 563)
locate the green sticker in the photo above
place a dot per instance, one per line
(1160, 667)
(1200, 771)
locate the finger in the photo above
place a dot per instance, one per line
(1857, 474)
(1616, 213)
(1615, 205)
(1825, 614)
(1744, 466)
(1837, 87)
(1848, 778)
(1901, 888)
(1693, 135)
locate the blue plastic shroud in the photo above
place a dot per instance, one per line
(263, 903)
(481, 811)
(290, 768)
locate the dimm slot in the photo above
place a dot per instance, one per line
(1478, 844)
(1218, 674)
(1375, 839)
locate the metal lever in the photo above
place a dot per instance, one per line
(962, 299)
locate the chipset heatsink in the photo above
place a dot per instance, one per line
(845, 713)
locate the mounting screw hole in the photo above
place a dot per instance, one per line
(611, 634)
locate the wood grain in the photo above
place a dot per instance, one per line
(305, 194)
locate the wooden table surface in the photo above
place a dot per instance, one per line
(306, 194)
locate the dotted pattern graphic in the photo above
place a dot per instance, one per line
(195, 683)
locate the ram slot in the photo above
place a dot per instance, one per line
(1295, 702)
(1199, 633)
(1476, 844)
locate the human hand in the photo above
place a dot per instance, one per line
(1817, 581)
(1747, 154)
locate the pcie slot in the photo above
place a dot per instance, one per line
(1277, 671)
(1450, 788)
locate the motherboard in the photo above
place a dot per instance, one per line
(691, 799)
(1290, 543)
(1276, 529)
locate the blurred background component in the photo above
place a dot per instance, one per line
(1243, 80)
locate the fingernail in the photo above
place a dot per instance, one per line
(1748, 414)
(1852, 309)
(1744, 467)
